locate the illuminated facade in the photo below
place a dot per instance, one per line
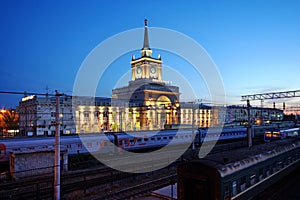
(147, 103)
(153, 103)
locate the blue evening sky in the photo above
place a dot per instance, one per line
(255, 44)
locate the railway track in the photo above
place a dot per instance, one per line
(103, 180)
(143, 188)
(74, 186)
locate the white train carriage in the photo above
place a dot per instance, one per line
(292, 132)
(227, 133)
(143, 140)
(99, 143)
(74, 144)
(109, 143)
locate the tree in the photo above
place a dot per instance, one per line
(9, 120)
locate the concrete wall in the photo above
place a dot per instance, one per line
(31, 163)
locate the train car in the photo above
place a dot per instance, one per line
(153, 139)
(101, 143)
(277, 134)
(292, 132)
(272, 134)
(131, 141)
(222, 134)
(238, 174)
(74, 145)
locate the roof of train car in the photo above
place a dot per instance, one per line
(231, 161)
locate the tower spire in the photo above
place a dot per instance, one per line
(146, 50)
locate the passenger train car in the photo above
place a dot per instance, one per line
(129, 141)
(227, 133)
(238, 174)
(277, 134)
(292, 132)
(272, 134)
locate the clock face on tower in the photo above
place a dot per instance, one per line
(138, 72)
(153, 71)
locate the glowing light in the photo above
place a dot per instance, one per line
(28, 98)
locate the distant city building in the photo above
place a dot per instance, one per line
(37, 116)
(257, 114)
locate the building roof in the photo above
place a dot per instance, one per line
(232, 161)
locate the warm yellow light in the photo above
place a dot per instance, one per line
(148, 103)
(258, 121)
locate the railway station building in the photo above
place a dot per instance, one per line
(147, 103)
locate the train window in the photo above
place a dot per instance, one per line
(146, 139)
(139, 140)
(131, 141)
(268, 171)
(295, 158)
(234, 188)
(261, 174)
(165, 138)
(152, 138)
(243, 183)
(159, 138)
(89, 145)
(170, 137)
(274, 167)
(252, 178)
(227, 191)
(280, 165)
(289, 160)
(12, 161)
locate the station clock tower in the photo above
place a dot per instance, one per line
(146, 66)
(152, 102)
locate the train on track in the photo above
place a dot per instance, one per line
(277, 134)
(129, 141)
(238, 174)
(108, 143)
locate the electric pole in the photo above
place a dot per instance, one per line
(249, 124)
(57, 149)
